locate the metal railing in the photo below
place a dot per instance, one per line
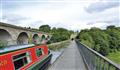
(94, 60)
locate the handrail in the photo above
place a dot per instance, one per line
(94, 60)
(15, 47)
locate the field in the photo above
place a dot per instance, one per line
(115, 57)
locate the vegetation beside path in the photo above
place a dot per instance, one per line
(59, 37)
(114, 57)
(104, 41)
(59, 45)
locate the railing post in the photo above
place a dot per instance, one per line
(104, 65)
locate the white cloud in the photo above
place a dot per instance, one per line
(70, 14)
(101, 6)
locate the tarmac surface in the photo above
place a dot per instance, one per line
(71, 59)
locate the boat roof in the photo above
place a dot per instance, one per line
(15, 47)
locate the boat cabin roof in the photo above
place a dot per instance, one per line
(15, 47)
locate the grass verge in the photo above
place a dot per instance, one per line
(115, 57)
(59, 45)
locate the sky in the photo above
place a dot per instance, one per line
(70, 14)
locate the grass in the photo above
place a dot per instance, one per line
(115, 57)
(58, 46)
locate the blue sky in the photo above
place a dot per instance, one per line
(70, 14)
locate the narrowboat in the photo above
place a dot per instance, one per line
(25, 57)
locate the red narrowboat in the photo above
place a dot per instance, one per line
(25, 57)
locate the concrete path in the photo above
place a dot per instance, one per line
(69, 60)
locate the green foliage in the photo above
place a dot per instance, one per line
(45, 28)
(87, 39)
(60, 34)
(103, 41)
(58, 45)
(114, 39)
(114, 57)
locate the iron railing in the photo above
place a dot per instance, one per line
(94, 60)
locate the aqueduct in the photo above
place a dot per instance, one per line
(15, 35)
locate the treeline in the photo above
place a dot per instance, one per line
(58, 34)
(102, 41)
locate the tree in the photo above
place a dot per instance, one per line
(45, 28)
(101, 41)
(53, 30)
(104, 41)
(60, 34)
(114, 39)
(86, 38)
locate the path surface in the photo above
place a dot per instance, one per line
(69, 60)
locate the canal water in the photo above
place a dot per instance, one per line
(56, 55)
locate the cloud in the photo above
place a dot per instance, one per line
(70, 14)
(109, 16)
(35, 24)
(102, 25)
(113, 20)
(101, 6)
(105, 19)
(108, 19)
(13, 18)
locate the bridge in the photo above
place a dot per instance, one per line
(80, 57)
(15, 35)
(76, 57)
(71, 59)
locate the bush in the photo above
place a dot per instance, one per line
(102, 41)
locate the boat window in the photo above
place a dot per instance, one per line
(39, 52)
(21, 60)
